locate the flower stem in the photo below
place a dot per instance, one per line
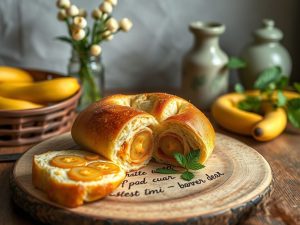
(89, 80)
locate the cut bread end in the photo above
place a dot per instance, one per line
(61, 188)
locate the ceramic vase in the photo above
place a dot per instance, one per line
(264, 52)
(204, 72)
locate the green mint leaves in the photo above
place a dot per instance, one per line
(188, 162)
(269, 82)
(293, 112)
(165, 171)
(187, 175)
(235, 63)
(281, 99)
(267, 78)
(239, 88)
(282, 82)
(297, 87)
(250, 104)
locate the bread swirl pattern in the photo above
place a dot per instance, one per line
(144, 125)
(120, 133)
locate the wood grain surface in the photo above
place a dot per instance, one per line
(236, 179)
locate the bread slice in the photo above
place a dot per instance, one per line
(59, 183)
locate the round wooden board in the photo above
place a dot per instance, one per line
(235, 181)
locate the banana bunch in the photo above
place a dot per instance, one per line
(261, 127)
(18, 91)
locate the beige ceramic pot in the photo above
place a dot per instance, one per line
(264, 52)
(204, 72)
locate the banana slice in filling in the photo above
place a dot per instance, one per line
(169, 144)
(105, 167)
(67, 161)
(141, 146)
(84, 173)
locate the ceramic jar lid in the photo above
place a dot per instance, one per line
(268, 31)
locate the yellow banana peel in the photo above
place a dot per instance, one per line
(272, 125)
(15, 104)
(226, 114)
(11, 74)
(41, 92)
(262, 127)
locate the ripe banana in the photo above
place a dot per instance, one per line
(11, 74)
(226, 113)
(41, 92)
(262, 128)
(272, 125)
(14, 104)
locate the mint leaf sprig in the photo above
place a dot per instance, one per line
(293, 111)
(251, 104)
(188, 162)
(297, 87)
(235, 63)
(269, 82)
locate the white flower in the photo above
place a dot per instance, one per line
(113, 2)
(82, 12)
(79, 22)
(112, 25)
(62, 15)
(104, 16)
(106, 7)
(63, 4)
(73, 10)
(107, 35)
(95, 50)
(96, 14)
(78, 34)
(125, 24)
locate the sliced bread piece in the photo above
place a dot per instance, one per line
(72, 177)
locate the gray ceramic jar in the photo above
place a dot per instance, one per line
(204, 71)
(263, 53)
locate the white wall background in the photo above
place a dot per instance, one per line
(150, 55)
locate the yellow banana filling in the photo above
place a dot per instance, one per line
(141, 146)
(67, 161)
(169, 144)
(92, 156)
(105, 168)
(84, 173)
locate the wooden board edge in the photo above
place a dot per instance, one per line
(44, 212)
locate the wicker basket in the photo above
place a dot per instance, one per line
(21, 127)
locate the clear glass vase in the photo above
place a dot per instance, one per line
(90, 72)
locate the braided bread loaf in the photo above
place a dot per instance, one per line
(130, 129)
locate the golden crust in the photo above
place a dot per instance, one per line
(67, 195)
(188, 116)
(198, 124)
(99, 126)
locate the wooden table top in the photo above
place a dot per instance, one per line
(282, 208)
